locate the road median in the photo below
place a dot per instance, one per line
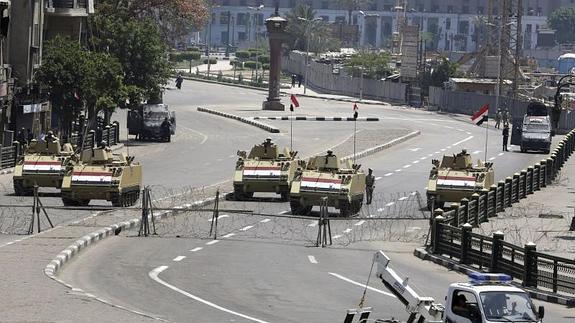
(249, 121)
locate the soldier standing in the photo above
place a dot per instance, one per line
(166, 128)
(498, 117)
(369, 186)
(506, 117)
(505, 136)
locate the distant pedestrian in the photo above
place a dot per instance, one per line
(369, 186)
(498, 117)
(179, 80)
(22, 138)
(505, 134)
(299, 80)
(506, 117)
(293, 79)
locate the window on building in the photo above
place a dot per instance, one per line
(213, 18)
(434, 8)
(340, 20)
(447, 23)
(224, 37)
(463, 28)
(259, 18)
(528, 28)
(480, 10)
(325, 4)
(224, 18)
(242, 36)
(325, 18)
(243, 3)
(242, 19)
(464, 9)
(354, 19)
(450, 9)
(292, 3)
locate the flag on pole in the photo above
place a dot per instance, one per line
(294, 101)
(355, 110)
(480, 116)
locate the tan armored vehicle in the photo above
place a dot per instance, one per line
(43, 164)
(326, 176)
(265, 169)
(102, 175)
(456, 178)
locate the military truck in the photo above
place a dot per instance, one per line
(342, 182)
(145, 122)
(102, 175)
(456, 178)
(533, 130)
(43, 164)
(267, 168)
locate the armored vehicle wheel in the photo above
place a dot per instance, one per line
(298, 209)
(285, 196)
(345, 209)
(70, 202)
(83, 202)
(21, 190)
(356, 206)
(240, 194)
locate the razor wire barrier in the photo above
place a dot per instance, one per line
(36, 208)
(323, 226)
(215, 216)
(147, 214)
(452, 228)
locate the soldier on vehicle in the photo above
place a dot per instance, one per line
(498, 117)
(22, 136)
(369, 186)
(166, 127)
(505, 136)
(50, 136)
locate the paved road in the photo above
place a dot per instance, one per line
(264, 270)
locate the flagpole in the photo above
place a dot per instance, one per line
(486, 134)
(354, 132)
(291, 131)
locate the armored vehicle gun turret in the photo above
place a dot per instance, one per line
(267, 168)
(455, 178)
(43, 164)
(342, 182)
(102, 175)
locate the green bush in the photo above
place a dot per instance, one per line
(193, 49)
(252, 65)
(266, 67)
(243, 54)
(220, 76)
(187, 56)
(212, 61)
(264, 59)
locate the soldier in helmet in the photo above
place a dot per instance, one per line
(166, 129)
(49, 136)
(369, 186)
(103, 144)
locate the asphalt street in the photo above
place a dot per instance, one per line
(265, 270)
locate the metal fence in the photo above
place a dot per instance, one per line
(452, 236)
(8, 155)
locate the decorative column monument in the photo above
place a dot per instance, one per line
(276, 27)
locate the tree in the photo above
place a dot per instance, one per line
(78, 79)
(137, 45)
(299, 30)
(175, 18)
(374, 65)
(351, 5)
(563, 21)
(439, 73)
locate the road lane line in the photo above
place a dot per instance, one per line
(448, 147)
(406, 166)
(500, 154)
(443, 149)
(361, 285)
(402, 198)
(154, 275)
(337, 236)
(246, 228)
(212, 242)
(312, 259)
(390, 204)
(437, 152)
(462, 141)
(196, 249)
(360, 222)
(492, 158)
(229, 235)
(312, 224)
(380, 210)
(423, 158)
(204, 137)
(476, 152)
(348, 230)
(265, 221)
(378, 178)
(220, 217)
(284, 212)
(388, 174)
(398, 170)
(413, 193)
(179, 258)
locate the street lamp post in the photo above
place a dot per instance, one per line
(255, 19)
(308, 24)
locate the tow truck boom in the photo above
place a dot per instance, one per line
(420, 309)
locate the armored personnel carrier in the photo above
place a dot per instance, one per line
(43, 164)
(147, 122)
(326, 176)
(456, 178)
(102, 175)
(265, 169)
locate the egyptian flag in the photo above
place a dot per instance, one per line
(355, 111)
(294, 102)
(480, 116)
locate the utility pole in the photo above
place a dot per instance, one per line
(228, 35)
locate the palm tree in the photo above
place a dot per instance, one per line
(304, 24)
(351, 5)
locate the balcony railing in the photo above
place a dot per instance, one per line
(74, 8)
(67, 4)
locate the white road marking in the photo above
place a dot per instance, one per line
(220, 217)
(437, 152)
(229, 235)
(378, 178)
(411, 229)
(443, 149)
(398, 170)
(265, 221)
(380, 210)
(388, 174)
(337, 236)
(361, 285)
(476, 152)
(424, 157)
(204, 137)
(413, 193)
(464, 140)
(212, 242)
(231, 156)
(246, 228)
(500, 154)
(468, 133)
(431, 155)
(196, 249)
(448, 127)
(406, 166)
(402, 198)
(348, 230)
(179, 258)
(312, 259)
(360, 222)
(448, 147)
(416, 162)
(390, 204)
(461, 130)
(492, 158)
(154, 275)
(284, 212)
(312, 224)
(415, 149)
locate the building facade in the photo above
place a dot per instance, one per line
(450, 25)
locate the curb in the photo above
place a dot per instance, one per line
(373, 150)
(260, 125)
(84, 242)
(316, 118)
(421, 253)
